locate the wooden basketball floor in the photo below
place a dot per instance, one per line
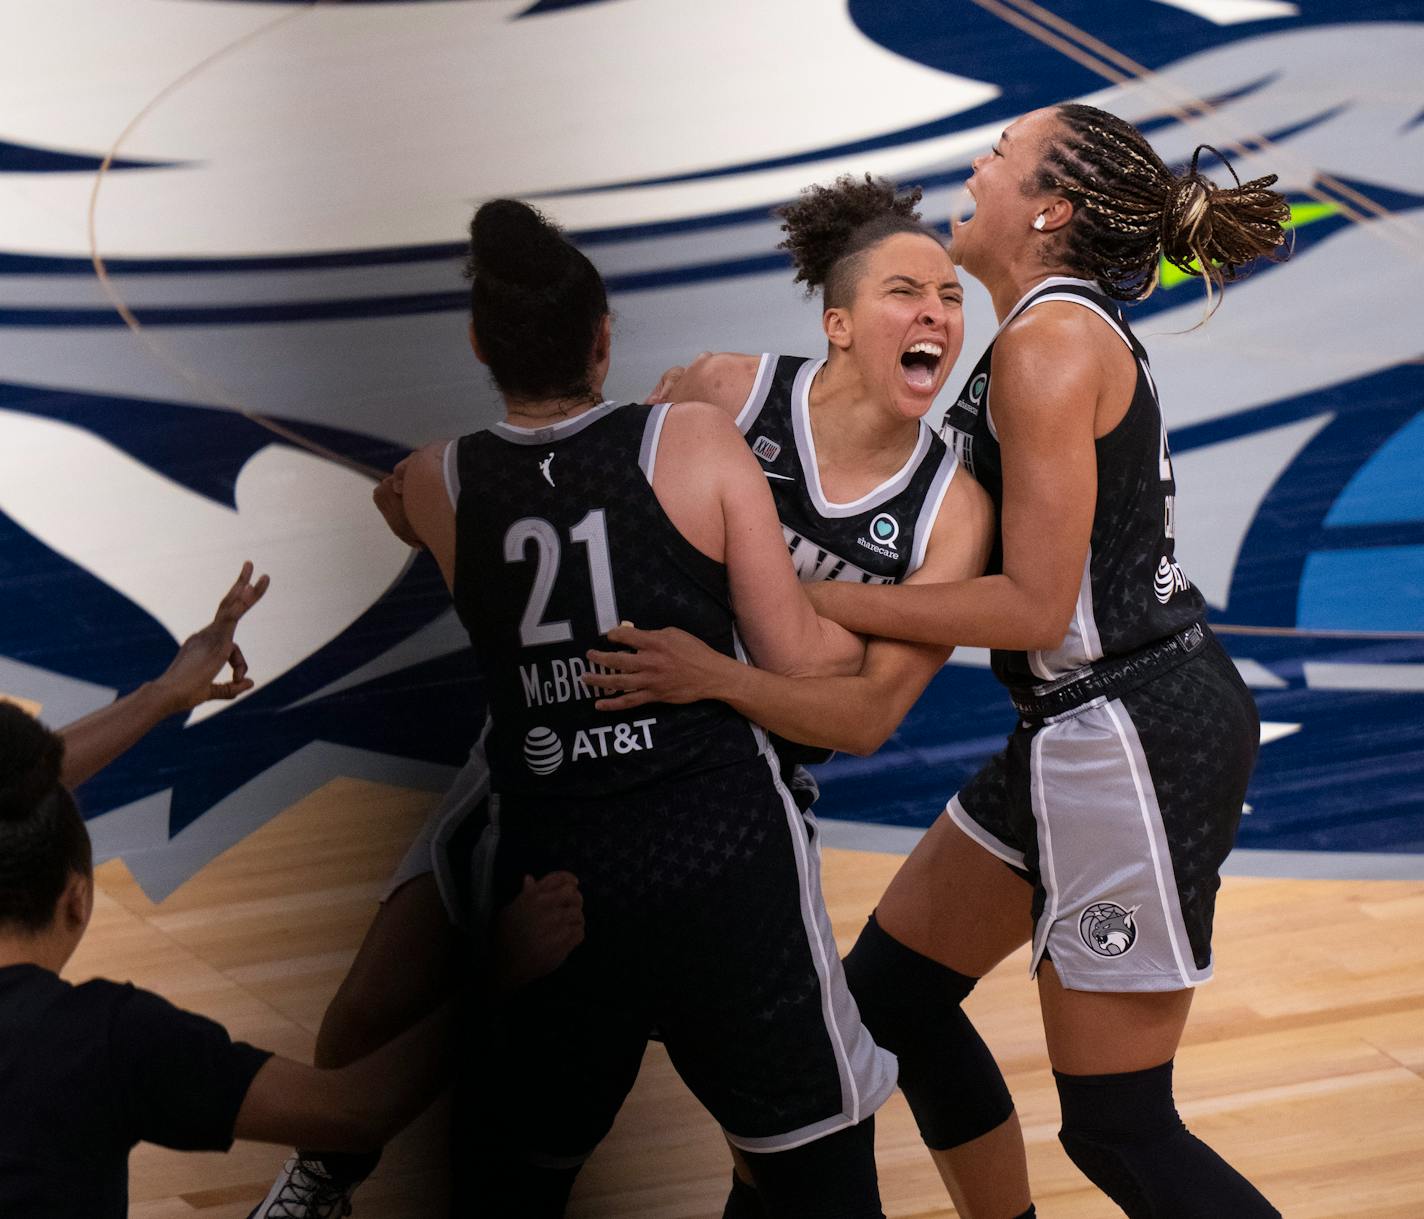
(1303, 1062)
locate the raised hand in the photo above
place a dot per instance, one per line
(190, 678)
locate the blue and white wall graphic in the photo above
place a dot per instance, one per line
(281, 217)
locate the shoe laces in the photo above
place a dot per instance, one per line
(308, 1193)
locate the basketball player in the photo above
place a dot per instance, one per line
(832, 436)
(854, 421)
(91, 1070)
(1120, 791)
(701, 889)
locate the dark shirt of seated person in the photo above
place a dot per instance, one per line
(88, 1071)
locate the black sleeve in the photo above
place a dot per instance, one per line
(179, 1077)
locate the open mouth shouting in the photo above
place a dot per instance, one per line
(920, 364)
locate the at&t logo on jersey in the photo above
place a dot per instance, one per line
(544, 751)
(1169, 580)
(1108, 929)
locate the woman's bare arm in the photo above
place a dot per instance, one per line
(723, 378)
(1045, 388)
(94, 741)
(716, 496)
(354, 1108)
(854, 713)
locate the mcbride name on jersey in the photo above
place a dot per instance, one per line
(879, 538)
(1132, 593)
(559, 539)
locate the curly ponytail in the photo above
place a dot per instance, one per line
(828, 228)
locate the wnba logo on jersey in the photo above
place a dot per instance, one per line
(1169, 580)
(1108, 929)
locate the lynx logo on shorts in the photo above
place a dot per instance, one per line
(1108, 929)
(766, 448)
(543, 751)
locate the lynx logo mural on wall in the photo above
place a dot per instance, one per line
(285, 223)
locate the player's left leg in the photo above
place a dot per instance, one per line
(1112, 1060)
(755, 1011)
(829, 1178)
(1138, 800)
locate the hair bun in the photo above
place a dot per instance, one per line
(1217, 231)
(515, 243)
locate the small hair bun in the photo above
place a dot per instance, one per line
(515, 243)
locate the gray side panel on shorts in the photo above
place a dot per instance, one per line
(1112, 920)
(868, 1072)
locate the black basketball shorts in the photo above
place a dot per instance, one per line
(1121, 812)
(705, 921)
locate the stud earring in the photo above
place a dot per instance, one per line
(1038, 222)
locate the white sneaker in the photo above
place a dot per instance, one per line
(303, 1190)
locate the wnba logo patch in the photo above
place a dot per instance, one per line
(1108, 929)
(543, 751)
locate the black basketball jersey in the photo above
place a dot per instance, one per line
(1133, 593)
(878, 539)
(559, 537)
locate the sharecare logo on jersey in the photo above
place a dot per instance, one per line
(1108, 929)
(543, 751)
(884, 530)
(977, 388)
(766, 448)
(1169, 580)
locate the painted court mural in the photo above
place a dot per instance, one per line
(274, 242)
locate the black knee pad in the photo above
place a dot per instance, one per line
(832, 1177)
(911, 1005)
(1125, 1135)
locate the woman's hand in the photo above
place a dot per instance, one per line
(191, 677)
(388, 497)
(667, 384)
(666, 666)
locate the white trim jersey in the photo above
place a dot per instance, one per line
(1132, 592)
(559, 538)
